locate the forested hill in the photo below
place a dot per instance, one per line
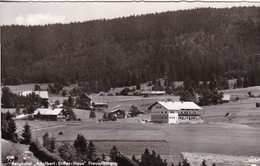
(189, 44)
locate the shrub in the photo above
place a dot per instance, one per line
(60, 133)
(257, 104)
(43, 154)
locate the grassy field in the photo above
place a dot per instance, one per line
(225, 140)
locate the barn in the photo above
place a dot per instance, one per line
(49, 114)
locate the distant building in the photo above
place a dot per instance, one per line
(49, 114)
(152, 93)
(42, 94)
(99, 106)
(118, 113)
(226, 98)
(175, 112)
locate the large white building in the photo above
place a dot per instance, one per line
(175, 112)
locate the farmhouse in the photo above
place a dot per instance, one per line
(153, 93)
(99, 106)
(49, 114)
(175, 112)
(118, 113)
(42, 94)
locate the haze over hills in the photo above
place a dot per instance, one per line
(182, 45)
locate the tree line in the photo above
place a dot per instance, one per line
(188, 44)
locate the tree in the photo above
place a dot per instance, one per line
(134, 111)
(69, 113)
(185, 163)
(71, 102)
(80, 145)
(105, 116)
(67, 152)
(135, 159)
(26, 134)
(103, 157)
(17, 110)
(91, 151)
(6, 99)
(92, 114)
(64, 93)
(37, 87)
(46, 142)
(8, 127)
(203, 163)
(114, 153)
(52, 145)
(12, 130)
(145, 158)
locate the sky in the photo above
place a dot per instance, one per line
(40, 13)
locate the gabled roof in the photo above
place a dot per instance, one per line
(115, 110)
(169, 105)
(47, 111)
(153, 92)
(42, 94)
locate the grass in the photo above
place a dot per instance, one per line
(220, 137)
(195, 159)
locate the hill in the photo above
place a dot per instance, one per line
(180, 45)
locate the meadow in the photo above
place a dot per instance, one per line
(222, 139)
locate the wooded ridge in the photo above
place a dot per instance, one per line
(180, 45)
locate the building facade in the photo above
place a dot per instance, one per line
(175, 112)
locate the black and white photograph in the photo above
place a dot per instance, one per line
(130, 83)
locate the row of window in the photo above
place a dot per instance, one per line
(158, 107)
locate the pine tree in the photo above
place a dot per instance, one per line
(185, 163)
(80, 144)
(114, 153)
(203, 163)
(103, 157)
(135, 159)
(91, 151)
(67, 152)
(46, 142)
(11, 130)
(17, 110)
(26, 134)
(92, 114)
(52, 145)
(105, 116)
(145, 158)
(214, 164)
(172, 164)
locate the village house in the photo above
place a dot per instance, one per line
(152, 93)
(49, 114)
(99, 106)
(42, 94)
(175, 112)
(118, 113)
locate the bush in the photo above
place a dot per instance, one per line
(60, 133)
(43, 154)
(257, 104)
